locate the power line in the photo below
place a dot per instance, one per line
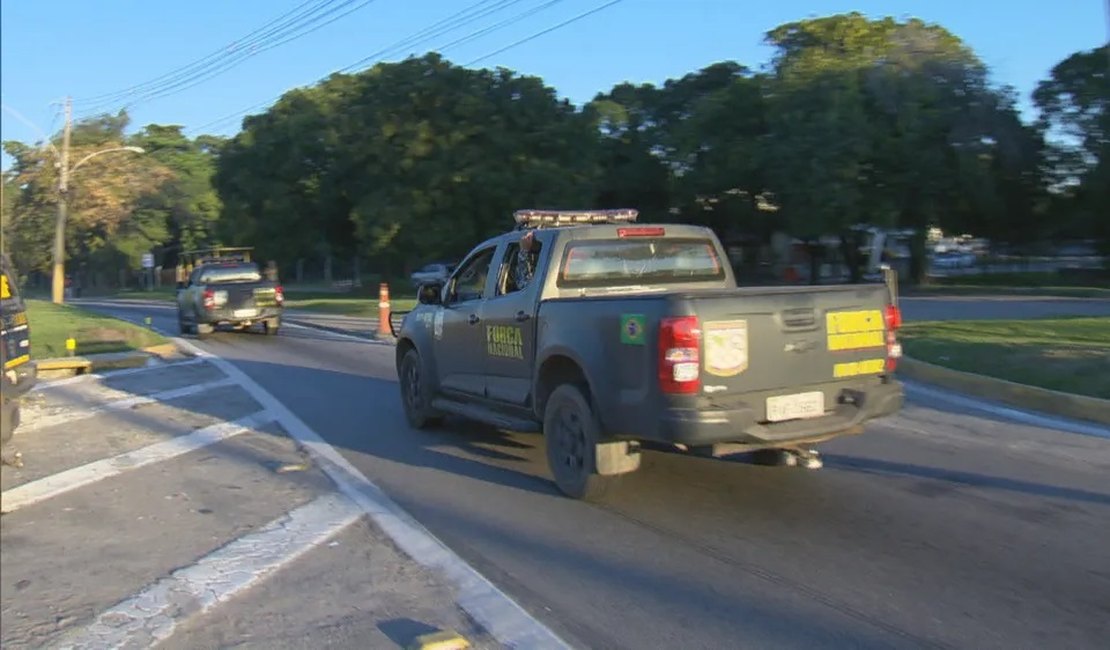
(504, 23)
(410, 41)
(216, 54)
(171, 87)
(254, 51)
(544, 32)
(459, 19)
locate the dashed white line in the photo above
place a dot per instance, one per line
(492, 608)
(152, 615)
(77, 379)
(123, 404)
(71, 479)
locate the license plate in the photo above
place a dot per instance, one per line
(796, 406)
(245, 313)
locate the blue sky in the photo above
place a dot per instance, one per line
(83, 49)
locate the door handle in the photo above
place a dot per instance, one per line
(473, 319)
(522, 316)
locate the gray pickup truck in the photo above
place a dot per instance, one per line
(228, 293)
(603, 333)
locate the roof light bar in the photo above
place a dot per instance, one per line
(532, 218)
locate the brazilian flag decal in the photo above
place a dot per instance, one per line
(633, 331)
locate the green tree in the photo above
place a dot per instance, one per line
(403, 162)
(1074, 104)
(103, 195)
(186, 204)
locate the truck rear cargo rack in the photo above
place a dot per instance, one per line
(219, 255)
(554, 218)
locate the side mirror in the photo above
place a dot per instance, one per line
(429, 294)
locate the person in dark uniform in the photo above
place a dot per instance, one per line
(526, 259)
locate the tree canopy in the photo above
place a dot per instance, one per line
(856, 121)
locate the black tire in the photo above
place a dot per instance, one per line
(182, 327)
(571, 432)
(271, 326)
(416, 394)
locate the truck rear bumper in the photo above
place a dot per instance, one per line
(739, 423)
(228, 316)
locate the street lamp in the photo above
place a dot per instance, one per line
(58, 288)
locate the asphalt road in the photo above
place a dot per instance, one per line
(944, 526)
(991, 307)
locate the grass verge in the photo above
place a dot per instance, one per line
(1064, 354)
(1067, 283)
(52, 324)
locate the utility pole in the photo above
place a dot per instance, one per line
(59, 280)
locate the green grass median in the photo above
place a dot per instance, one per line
(52, 324)
(1065, 354)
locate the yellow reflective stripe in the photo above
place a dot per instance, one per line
(856, 341)
(851, 322)
(853, 368)
(11, 363)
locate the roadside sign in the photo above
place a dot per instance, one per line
(148, 260)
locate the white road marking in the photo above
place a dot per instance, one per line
(152, 615)
(71, 479)
(48, 385)
(494, 610)
(1025, 417)
(122, 404)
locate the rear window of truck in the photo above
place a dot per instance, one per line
(639, 261)
(236, 273)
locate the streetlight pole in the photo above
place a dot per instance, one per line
(64, 170)
(59, 282)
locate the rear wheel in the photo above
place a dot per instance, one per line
(182, 326)
(416, 395)
(571, 432)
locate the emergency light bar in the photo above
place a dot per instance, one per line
(540, 218)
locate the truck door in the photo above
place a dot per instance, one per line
(510, 326)
(457, 326)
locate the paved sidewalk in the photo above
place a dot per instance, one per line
(167, 504)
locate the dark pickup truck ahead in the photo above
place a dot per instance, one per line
(604, 333)
(233, 294)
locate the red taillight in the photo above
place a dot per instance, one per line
(641, 231)
(679, 355)
(893, 317)
(279, 294)
(209, 299)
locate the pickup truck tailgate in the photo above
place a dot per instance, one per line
(765, 339)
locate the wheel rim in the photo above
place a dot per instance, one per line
(570, 436)
(412, 385)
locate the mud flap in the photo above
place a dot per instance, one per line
(615, 458)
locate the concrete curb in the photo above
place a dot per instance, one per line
(57, 367)
(1079, 407)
